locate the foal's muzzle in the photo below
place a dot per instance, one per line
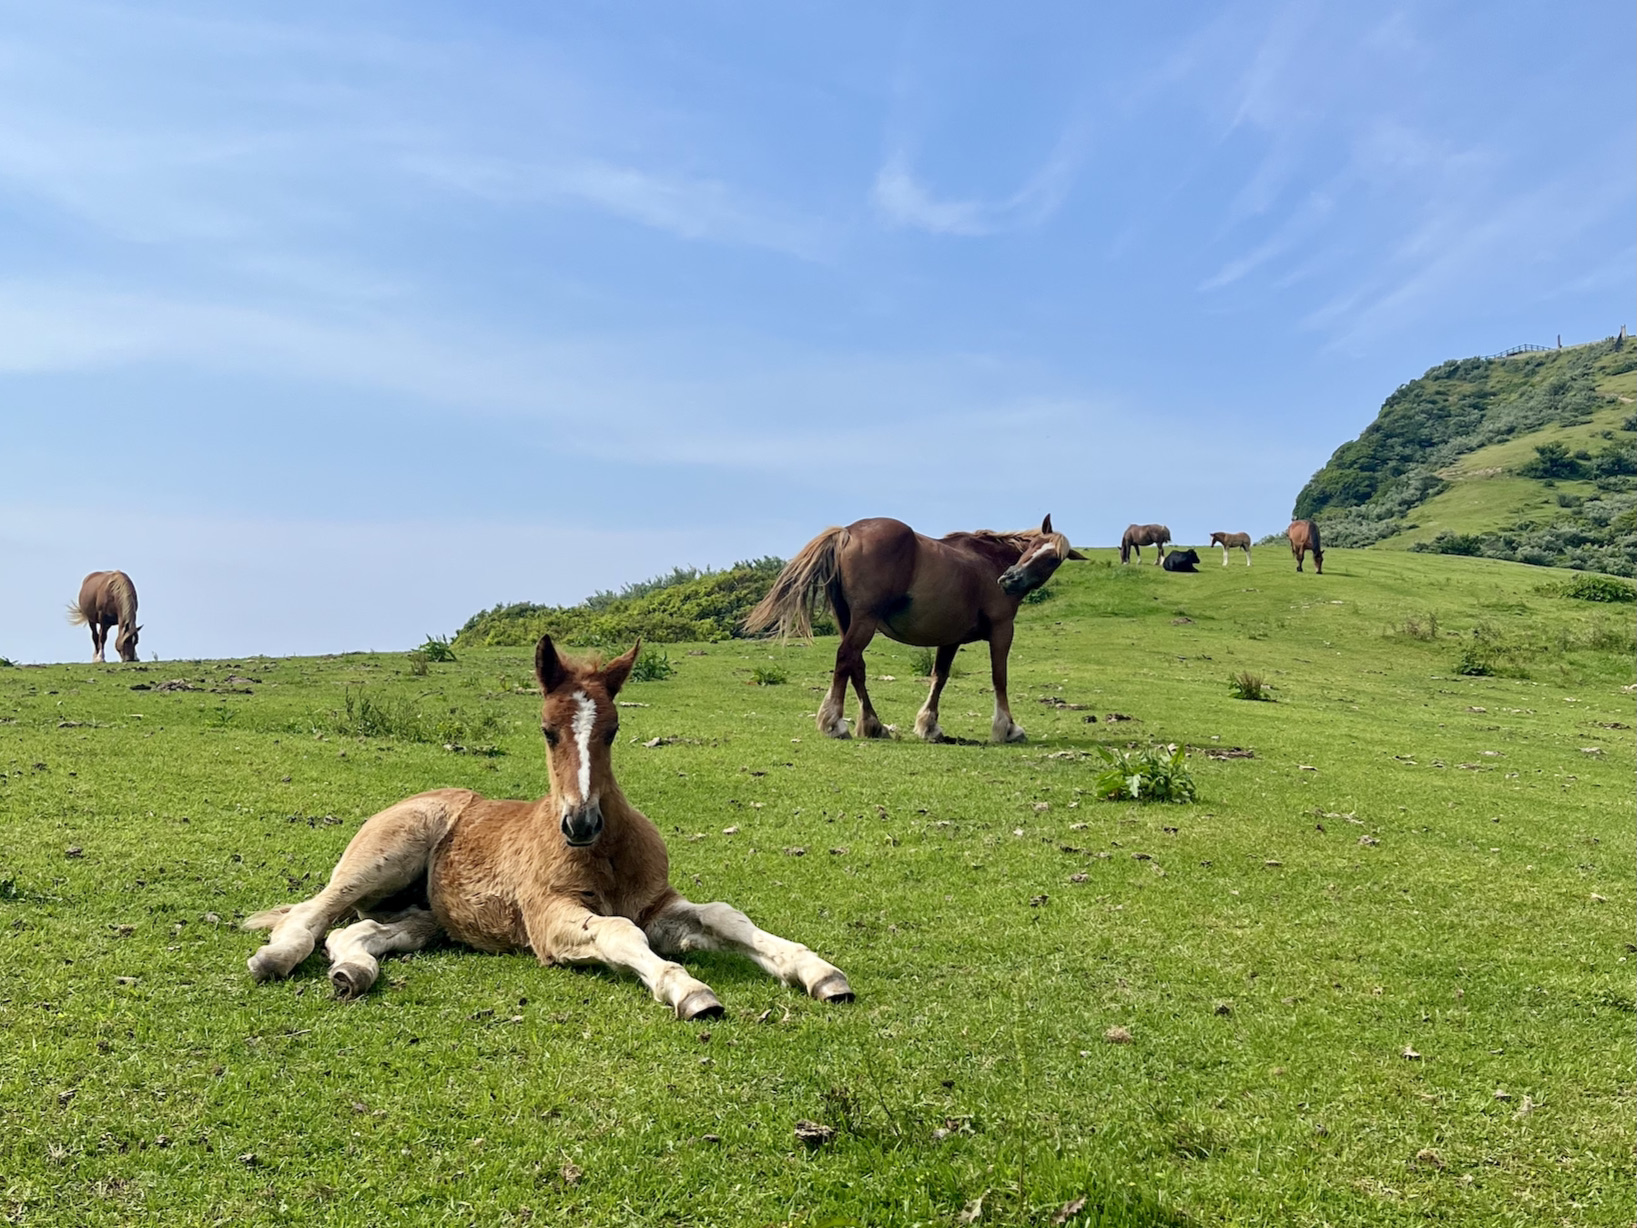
(583, 824)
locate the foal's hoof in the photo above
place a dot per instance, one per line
(833, 988)
(350, 981)
(700, 1004)
(263, 967)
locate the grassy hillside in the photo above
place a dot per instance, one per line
(1380, 972)
(1457, 462)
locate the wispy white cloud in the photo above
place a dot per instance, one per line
(904, 200)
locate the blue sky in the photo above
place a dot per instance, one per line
(333, 324)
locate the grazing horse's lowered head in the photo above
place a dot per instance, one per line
(579, 721)
(1038, 561)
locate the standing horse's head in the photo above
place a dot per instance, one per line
(580, 722)
(125, 645)
(1043, 555)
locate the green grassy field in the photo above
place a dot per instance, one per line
(1380, 973)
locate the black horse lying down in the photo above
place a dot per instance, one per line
(1181, 560)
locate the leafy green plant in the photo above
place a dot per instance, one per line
(7, 663)
(437, 648)
(417, 663)
(1476, 660)
(1154, 774)
(1038, 595)
(652, 665)
(1596, 588)
(922, 660)
(1246, 685)
(769, 675)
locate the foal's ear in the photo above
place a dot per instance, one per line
(1046, 524)
(1075, 554)
(548, 666)
(619, 669)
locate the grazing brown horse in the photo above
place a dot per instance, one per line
(1137, 536)
(107, 598)
(578, 877)
(1232, 541)
(1304, 536)
(881, 575)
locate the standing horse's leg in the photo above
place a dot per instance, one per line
(562, 932)
(926, 720)
(686, 926)
(98, 636)
(830, 721)
(355, 952)
(851, 658)
(1004, 728)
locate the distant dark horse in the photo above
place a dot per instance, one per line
(1304, 536)
(881, 575)
(107, 598)
(1232, 541)
(1139, 535)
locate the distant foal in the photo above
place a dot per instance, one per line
(1232, 541)
(107, 598)
(1304, 536)
(578, 877)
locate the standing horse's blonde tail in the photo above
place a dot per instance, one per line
(788, 605)
(76, 616)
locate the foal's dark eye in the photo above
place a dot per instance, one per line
(551, 735)
(611, 735)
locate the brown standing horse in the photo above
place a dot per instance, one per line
(1232, 541)
(881, 575)
(1136, 536)
(1304, 536)
(578, 877)
(107, 598)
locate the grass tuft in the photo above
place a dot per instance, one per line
(652, 665)
(1246, 685)
(769, 675)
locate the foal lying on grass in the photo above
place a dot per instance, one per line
(578, 877)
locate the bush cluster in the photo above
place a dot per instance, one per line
(685, 606)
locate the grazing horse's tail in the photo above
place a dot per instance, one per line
(788, 605)
(76, 616)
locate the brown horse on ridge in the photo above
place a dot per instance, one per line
(107, 598)
(881, 575)
(1304, 536)
(578, 877)
(1136, 536)
(1232, 541)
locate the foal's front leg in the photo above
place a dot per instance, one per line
(565, 933)
(686, 926)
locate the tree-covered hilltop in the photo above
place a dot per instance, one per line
(685, 606)
(1532, 457)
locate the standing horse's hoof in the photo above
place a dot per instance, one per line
(833, 988)
(700, 1004)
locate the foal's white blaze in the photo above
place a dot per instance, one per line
(585, 716)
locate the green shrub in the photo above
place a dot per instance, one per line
(769, 675)
(1596, 588)
(1246, 685)
(922, 661)
(652, 665)
(437, 648)
(1157, 774)
(1477, 659)
(686, 606)
(1038, 595)
(7, 663)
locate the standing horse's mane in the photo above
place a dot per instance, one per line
(124, 597)
(1018, 539)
